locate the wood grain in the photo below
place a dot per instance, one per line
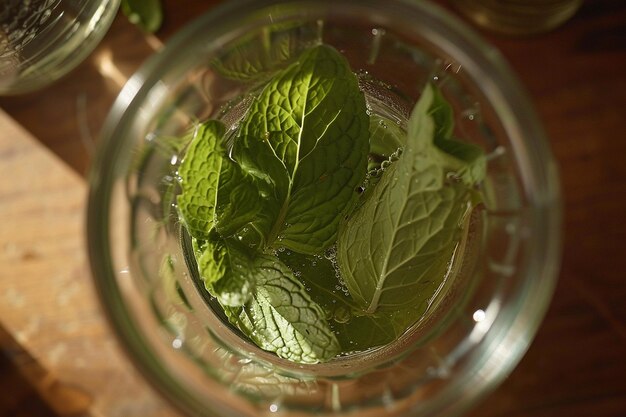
(47, 302)
(576, 77)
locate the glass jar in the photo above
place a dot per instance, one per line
(478, 331)
(42, 40)
(518, 17)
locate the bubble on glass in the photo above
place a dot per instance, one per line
(478, 316)
(377, 34)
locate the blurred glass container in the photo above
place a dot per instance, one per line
(518, 17)
(42, 40)
(160, 310)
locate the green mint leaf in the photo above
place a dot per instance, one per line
(147, 14)
(215, 191)
(258, 55)
(466, 159)
(264, 169)
(308, 133)
(393, 252)
(354, 331)
(386, 138)
(242, 200)
(225, 268)
(280, 316)
(442, 114)
(199, 173)
(415, 238)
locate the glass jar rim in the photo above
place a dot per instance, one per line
(481, 61)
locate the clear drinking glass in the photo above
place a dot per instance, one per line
(42, 40)
(518, 17)
(460, 352)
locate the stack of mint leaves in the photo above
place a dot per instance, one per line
(313, 247)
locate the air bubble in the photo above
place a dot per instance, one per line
(452, 177)
(479, 315)
(342, 315)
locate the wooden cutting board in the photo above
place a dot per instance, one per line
(57, 332)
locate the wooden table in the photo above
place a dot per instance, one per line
(576, 76)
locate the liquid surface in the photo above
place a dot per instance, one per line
(325, 222)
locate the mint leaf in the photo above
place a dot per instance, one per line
(225, 268)
(467, 160)
(258, 55)
(393, 252)
(471, 164)
(354, 330)
(386, 136)
(242, 199)
(307, 134)
(200, 172)
(415, 238)
(147, 14)
(214, 187)
(280, 316)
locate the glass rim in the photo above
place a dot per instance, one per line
(528, 142)
(61, 64)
